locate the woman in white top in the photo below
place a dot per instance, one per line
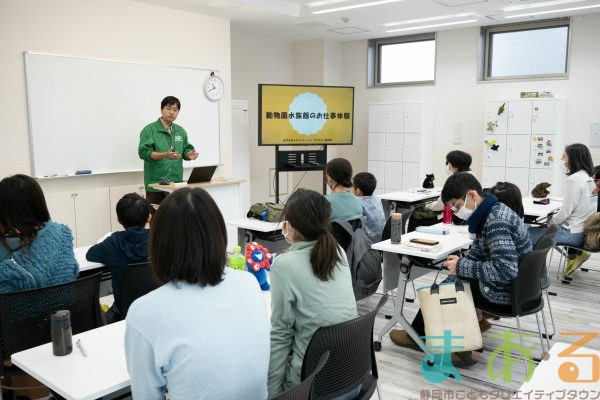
(579, 202)
(204, 334)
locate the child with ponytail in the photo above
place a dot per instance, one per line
(344, 205)
(310, 286)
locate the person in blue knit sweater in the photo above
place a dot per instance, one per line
(124, 247)
(34, 251)
(501, 242)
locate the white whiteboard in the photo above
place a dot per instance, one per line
(88, 113)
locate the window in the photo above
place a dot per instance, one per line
(529, 50)
(402, 60)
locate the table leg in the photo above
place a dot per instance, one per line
(398, 317)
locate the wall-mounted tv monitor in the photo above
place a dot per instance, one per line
(305, 115)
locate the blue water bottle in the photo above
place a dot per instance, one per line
(265, 214)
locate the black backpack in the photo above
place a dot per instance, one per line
(364, 262)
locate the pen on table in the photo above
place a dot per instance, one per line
(81, 348)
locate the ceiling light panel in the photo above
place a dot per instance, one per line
(414, 28)
(353, 6)
(540, 5)
(562, 10)
(431, 19)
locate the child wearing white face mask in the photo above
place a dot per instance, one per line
(491, 263)
(311, 287)
(456, 161)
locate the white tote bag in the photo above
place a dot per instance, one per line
(449, 307)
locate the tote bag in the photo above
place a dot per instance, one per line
(449, 307)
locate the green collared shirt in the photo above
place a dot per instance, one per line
(154, 137)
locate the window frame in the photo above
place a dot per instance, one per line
(374, 52)
(487, 48)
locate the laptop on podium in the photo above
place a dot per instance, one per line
(202, 174)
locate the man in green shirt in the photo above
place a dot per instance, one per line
(162, 146)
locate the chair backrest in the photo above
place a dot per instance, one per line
(352, 357)
(25, 315)
(138, 280)
(303, 391)
(526, 289)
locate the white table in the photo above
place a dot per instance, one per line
(247, 228)
(398, 274)
(84, 264)
(546, 378)
(225, 192)
(75, 377)
(541, 213)
(406, 202)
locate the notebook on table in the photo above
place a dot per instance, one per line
(202, 174)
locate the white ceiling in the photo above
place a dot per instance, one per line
(294, 19)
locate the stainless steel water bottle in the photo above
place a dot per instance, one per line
(396, 228)
(60, 328)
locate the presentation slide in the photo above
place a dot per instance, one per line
(305, 115)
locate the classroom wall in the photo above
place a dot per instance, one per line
(113, 29)
(458, 97)
(259, 59)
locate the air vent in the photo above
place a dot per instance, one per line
(347, 30)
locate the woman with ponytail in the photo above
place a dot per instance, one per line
(310, 286)
(344, 205)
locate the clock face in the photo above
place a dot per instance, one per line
(213, 88)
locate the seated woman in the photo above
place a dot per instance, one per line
(310, 286)
(34, 251)
(205, 333)
(579, 202)
(344, 205)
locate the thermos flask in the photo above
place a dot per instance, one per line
(60, 328)
(447, 214)
(396, 228)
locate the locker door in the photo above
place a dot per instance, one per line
(412, 147)
(376, 146)
(544, 152)
(377, 118)
(377, 168)
(413, 118)
(519, 117)
(517, 150)
(491, 115)
(393, 176)
(520, 177)
(494, 151)
(545, 118)
(411, 178)
(492, 175)
(394, 118)
(394, 146)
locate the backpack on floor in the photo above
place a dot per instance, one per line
(364, 262)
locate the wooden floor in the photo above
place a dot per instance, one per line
(575, 308)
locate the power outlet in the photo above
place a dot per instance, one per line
(595, 134)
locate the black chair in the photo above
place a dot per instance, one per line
(352, 359)
(526, 294)
(138, 280)
(303, 391)
(25, 315)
